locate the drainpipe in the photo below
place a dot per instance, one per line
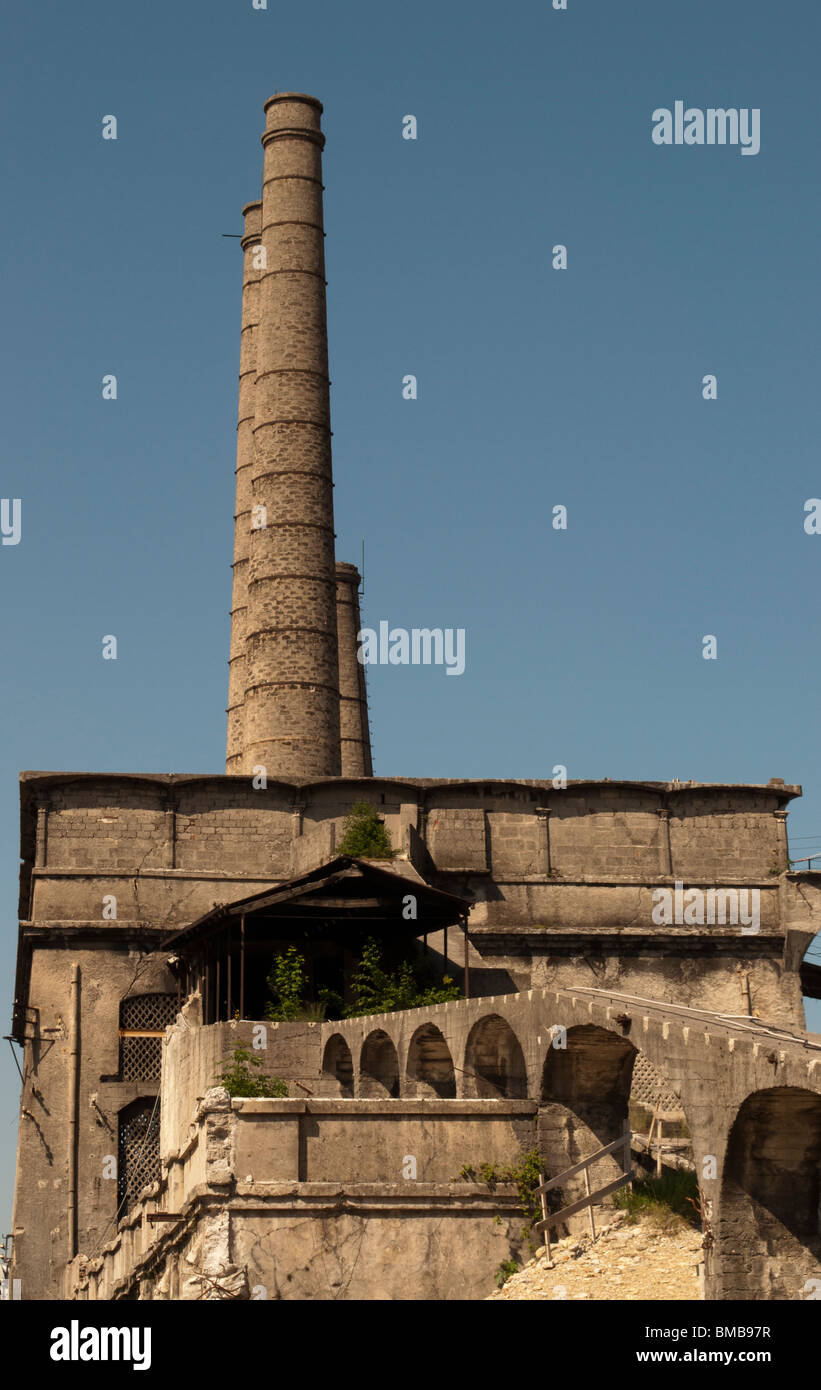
(73, 1076)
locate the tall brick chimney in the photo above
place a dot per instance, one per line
(353, 697)
(290, 717)
(245, 459)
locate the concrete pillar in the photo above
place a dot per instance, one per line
(355, 735)
(783, 853)
(665, 847)
(41, 842)
(245, 459)
(291, 722)
(543, 821)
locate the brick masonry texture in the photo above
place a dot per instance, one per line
(290, 717)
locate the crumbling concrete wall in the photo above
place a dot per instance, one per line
(269, 1234)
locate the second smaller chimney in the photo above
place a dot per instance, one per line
(355, 736)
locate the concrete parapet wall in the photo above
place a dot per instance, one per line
(235, 1212)
(373, 1141)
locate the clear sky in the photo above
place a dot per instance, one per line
(536, 387)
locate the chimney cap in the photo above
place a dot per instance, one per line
(293, 96)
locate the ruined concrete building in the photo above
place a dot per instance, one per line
(151, 908)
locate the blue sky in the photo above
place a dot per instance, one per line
(536, 387)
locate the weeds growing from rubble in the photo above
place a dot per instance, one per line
(666, 1201)
(505, 1270)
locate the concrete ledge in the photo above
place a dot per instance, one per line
(382, 1106)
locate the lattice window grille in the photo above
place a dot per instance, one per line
(138, 1151)
(649, 1088)
(143, 1021)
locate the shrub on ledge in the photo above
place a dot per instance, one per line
(239, 1080)
(365, 836)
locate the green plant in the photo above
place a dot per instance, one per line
(505, 1270)
(364, 834)
(410, 986)
(287, 982)
(331, 1003)
(524, 1175)
(667, 1201)
(239, 1079)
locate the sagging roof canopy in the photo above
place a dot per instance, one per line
(345, 892)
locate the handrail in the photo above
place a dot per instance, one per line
(585, 1201)
(584, 1165)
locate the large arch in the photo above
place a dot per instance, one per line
(378, 1067)
(337, 1067)
(768, 1242)
(430, 1069)
(494, 1061)
(584, 1105)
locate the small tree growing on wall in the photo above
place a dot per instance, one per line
(239, 1080)
(364, 834)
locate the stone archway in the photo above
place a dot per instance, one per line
(337, 1067)
(430, 1069)
(378, 1067)
(768, 1242)
(584, 1105)
(494, 1061)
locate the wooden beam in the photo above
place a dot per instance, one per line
(583, 1202)
(579, 1167)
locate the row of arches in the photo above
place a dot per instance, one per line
(594, 1061)
(494, 1065)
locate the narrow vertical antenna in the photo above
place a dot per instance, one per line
(362, 571)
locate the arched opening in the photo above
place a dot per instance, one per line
(138, 1150)
(430, 1065)
(494, 1061)
(337, 1067)
(378, 1067)
(584, 1106)
(768, 1243)
(657, 1118)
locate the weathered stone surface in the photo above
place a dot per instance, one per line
(637, 1262)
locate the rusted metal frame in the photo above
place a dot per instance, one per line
(228, 971)
(464, 922)
(242, 966)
